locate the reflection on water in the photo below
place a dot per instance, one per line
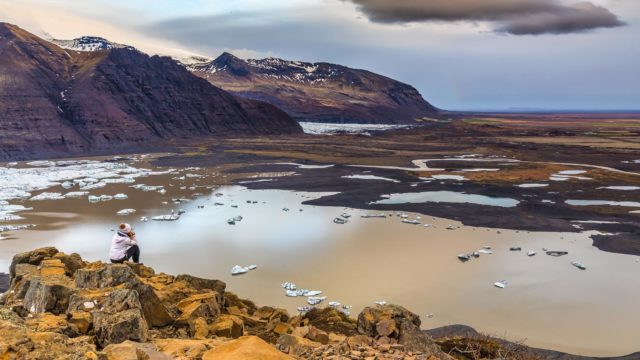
(447, 197)
(548, 301)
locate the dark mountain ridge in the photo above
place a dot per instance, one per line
(321, 92)
(62, 102)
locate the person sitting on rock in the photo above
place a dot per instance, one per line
(124, 245)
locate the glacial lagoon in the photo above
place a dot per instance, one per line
(548, 302)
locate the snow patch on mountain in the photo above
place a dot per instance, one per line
(88, 43)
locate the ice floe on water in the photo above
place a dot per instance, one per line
(76, 194)
(254, 181)
(480, 170)
(4, 228)
(565, 175)
(79, 176)
(621, 188)
(9, 217)
(526, 186)
(572, 172)
(126, 212)
(239, 269)
(18, 183)
(369, 177)
(47, 196)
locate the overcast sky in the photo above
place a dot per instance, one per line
(460, 54)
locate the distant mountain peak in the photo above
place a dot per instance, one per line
(317, 91)
(89, 43)
(225, 62)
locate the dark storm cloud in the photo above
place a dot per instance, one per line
(518, 17)
(576, 18)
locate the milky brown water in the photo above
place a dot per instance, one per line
(548, 302)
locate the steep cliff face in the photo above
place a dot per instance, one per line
(55, 101)
(320, 92)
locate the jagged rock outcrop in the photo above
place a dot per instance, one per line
(59, 102)
(319, 92)
(61, 307)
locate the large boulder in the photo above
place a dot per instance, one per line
(154, 311)
(329, 320)
(390, 323)
(31, 257)
(116, 314)
(197, 312)
(72, 262)
(369, 318)
(109, 301)
(201, 284)
(296, 345)
(118, 327)
(202, 305)
(109, 275)
(112, 275)
(48, 295)
(130, 350)
(246, 347)
(185, 348)
(228, 326)
(415, 340)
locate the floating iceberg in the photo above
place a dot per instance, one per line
(9, 217)
(4, 228)
(67, 185)
(501, 284)
(147, 188)
(315, 300)
(76, 194)
(93, 186)
(122, 180)
(170, 217)
(238, 269)
(289, 286)
(120, 196)
(126, 212)
(47, 196)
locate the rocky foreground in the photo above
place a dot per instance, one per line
(57, 306)
(61, 307)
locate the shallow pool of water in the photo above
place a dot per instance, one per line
(447, 197)
(602, 203)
